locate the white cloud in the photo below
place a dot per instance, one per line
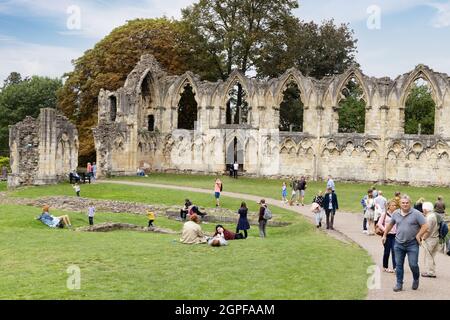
(34, 59)
(442, 17)
(351, 11)
(98, 18)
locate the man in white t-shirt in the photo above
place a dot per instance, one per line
(380, 205)
(235, 169)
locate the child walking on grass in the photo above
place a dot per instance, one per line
(151, 218)
(91, 213)
(284, 192)
(77, 189)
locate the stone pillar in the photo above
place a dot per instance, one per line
(384, 125)
(317, 155)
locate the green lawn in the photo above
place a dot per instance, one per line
(2, 186)
(294, 262)
(349, 194)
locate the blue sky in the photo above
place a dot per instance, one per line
(35, 37)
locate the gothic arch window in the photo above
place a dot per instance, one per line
(420, 108)
(113, 111)
(151, 123)
(187, 108)
(291, 109)
(352, 107)
(237, 105)
(146, 90)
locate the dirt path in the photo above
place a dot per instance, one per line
(349, 226)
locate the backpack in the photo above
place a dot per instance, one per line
(267, 214)
(443, 228)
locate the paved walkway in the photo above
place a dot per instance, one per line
(350, 225)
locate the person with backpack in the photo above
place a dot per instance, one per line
(264, 215)
(430, 240)
(439, 207)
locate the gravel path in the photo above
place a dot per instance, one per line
(349, 226)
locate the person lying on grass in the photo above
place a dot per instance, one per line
(228, 235)
(53, 222)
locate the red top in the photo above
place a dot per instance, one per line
(228, 234)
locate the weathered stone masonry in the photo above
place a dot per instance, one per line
(124, 140)
(43, 150)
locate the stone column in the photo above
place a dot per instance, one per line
(384, 124)
(47, 145)
(317, 155)
(208, 117)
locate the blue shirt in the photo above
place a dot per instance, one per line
(46, 219)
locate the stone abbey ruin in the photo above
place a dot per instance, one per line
(168, 123)
(139, 126)
(43, 150)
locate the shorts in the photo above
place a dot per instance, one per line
(217, 195)
(55, 223)
(302, 193)
(284, 193)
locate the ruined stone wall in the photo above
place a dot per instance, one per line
(43, 150)
(124, 141)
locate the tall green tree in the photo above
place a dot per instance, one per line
(352, 109)
(232, 32)
(291, 110)
(316, 50)
(19, 99)
(420, 109)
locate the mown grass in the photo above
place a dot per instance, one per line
(349, 194)
(294, 262)
(2, 186)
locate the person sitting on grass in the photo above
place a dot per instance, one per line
(192, 232)
(185, 210)
(53, 222)
(193, 209)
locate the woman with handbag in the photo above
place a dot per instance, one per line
(384, 220)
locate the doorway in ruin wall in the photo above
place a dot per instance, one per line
(235, 152)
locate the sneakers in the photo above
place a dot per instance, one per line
(365, 232)
(398, 288)
(428, 275)
(415, 285)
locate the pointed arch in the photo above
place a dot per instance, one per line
(236, 99)
(179, 86)
(343, 81)
(187, 107)
(291, 76)
(351, 101)
(421, 72)
(235, 76)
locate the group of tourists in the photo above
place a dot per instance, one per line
(193, 234)
(405, 229)
(298, 187)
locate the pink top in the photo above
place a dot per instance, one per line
(217, 186)
(385, 219)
